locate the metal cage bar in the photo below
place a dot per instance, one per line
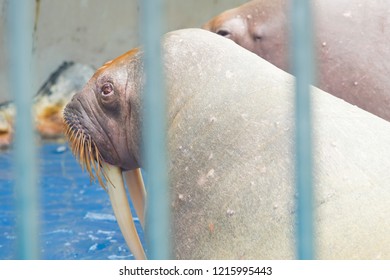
(20, 46)
(154, 132)
(302, 57)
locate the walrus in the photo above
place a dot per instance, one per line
(230, 142)
(351, 41)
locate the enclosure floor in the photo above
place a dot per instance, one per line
(77, 221)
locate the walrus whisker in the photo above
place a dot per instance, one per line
(87, 158)
(97, 157)
(72, 136)
(81, 149)
(88, 165)
(99, 172)
(87, 154)
(75, 145)
(77, 136)
(93, 161)
(90, 159)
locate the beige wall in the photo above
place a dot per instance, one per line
(94, 31)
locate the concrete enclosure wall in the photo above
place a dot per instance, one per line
(94, 31)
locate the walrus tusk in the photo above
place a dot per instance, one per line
(120, 205)
(136, 187)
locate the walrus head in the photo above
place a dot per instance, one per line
(95, 116)
(102, 126)
(259, 26)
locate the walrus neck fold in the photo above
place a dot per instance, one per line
(134, 93)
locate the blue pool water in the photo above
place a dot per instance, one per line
(77, 221)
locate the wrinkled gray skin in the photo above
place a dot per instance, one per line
(351, 38)
(230, 138)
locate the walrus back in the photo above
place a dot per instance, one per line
(231, 148)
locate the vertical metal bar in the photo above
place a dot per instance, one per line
(154, 132)
(303, 69)
(20, 45)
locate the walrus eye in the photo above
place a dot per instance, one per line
(258, 37)
(223, 33)
(107, 89)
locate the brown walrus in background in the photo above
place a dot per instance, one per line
(351, 38)
(229, 135)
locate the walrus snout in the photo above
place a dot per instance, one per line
(76, 120)
(72, 119)
(82, 145)
(84, 124)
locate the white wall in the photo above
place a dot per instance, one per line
(94, 31)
